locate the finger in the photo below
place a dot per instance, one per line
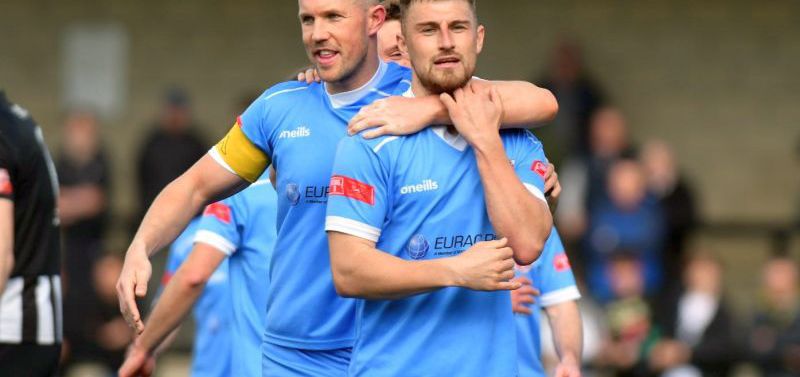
(526, 299)
(508, 275)
(524, 280)
(141, 283)
(536, 292)
(301, 76)
(377, 132)
(506, 253)
(309, 76)
(556, 192)
(507, 265)
(522, 309)
(448, 101)
(507, 286)
(496, 244)
(317, 78)
(366, 123)
(355, 119)
(526, 290)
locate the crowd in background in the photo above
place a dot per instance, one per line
(651, 306)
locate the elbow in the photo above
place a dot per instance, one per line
(529, 252)
(345, 285)
(194, 280)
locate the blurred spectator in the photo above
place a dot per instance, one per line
(629, 318)
(774, 338)
(170, 149)
(677, 200)
(696, 326)
(577, 97)
(629, 219)
(584, 178)
(104, 326)
(83, 173)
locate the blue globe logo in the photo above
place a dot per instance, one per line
(417, 247)
(293, 193)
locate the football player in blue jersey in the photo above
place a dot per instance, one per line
(405, 214)
(550, 277)
(232, 241)
(212, 312)
(297, 126)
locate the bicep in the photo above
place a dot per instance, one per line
(213, 180)
(345, 249)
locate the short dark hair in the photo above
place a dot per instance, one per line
(405, 4)
(392, 10)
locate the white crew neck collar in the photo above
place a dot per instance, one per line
(343, 99)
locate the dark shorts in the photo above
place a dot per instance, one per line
(29, 359)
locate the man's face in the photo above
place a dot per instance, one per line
(443, 41)
(387, 43)
(336, 36)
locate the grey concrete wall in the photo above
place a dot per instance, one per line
(717, 79)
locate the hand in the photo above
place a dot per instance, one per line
(568, 367)
(486, 266)
(309, 76)
(524, 296)
(552, 187)
(476, 112)
(391, 116)
(669, 353)
(132, 283)
(138, 363)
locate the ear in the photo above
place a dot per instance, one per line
(479, 40)
(401, 44)
(376, 16)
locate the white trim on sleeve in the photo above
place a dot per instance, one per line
(535, 191)
(215, 240)
(352, 227)
(558, 296)
(218, 158)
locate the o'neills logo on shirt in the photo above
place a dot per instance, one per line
(301, 131)
(426, 185)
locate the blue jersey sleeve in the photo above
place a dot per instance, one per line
(530, 162)
(358, 200)
(219, 226)
(259, 120)
(554, 279)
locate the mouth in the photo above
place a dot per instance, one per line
(446, 62)
(325, 57)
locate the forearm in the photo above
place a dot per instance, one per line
(565, 320)
(515, 213)
(525, 105)
(365, 272)
(174, 304)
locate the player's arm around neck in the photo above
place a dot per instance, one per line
(361, 270)
(6, 241)
(565, 320)
(169, 214)
(515, 213)
(526, 106)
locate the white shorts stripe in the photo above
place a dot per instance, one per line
(59, 311)
(11, 311)
(45, 324)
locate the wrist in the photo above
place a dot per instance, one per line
(139, 346)
(488, 145)
(448, 275)
(436, 111)
(569, 358)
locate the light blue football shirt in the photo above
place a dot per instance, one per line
(212, 312)
(420, 197)
(243, 227)
(552, 275)
(299, 125)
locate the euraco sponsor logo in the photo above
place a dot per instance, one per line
(426, 185)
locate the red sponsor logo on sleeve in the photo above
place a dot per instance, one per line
(239, 121)
(540, 168)
(353, 189)
(219, 210)
(561, 262)
(5, 183)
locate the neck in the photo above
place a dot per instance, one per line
(360, 76)
(417, 88)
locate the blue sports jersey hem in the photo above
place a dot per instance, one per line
(305, 344)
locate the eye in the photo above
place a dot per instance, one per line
(459, 28)
(307, 20)
(428, 30)
(335, 17)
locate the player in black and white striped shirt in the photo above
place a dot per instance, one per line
(30, 305)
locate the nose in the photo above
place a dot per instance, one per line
(446, 39)
(319, 32)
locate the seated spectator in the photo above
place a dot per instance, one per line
(696, 326)
(628, 317)
(774, 337)
(677, 200)
(629, 219)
